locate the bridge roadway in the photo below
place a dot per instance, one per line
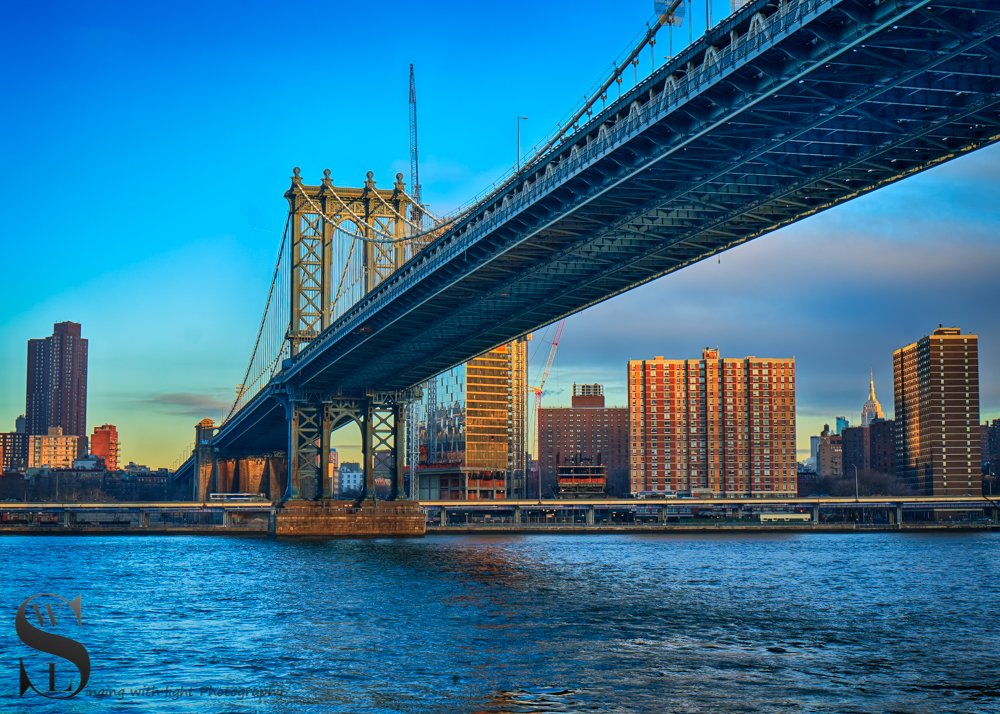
(783, 110)
(257, 516)
(889, 512)
(804, 502)
(136, 517)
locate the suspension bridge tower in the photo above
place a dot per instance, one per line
(344, 241)
(340, 244)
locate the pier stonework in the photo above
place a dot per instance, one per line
(251, 475)
(204, 460)
(328, 518)
(225, 476)
(277, 477)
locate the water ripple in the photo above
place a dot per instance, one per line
(613, 623)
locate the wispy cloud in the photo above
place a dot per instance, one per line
(182, 403)
(839, 292)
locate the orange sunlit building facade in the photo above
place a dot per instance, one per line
(712, 427)
(471, 428)
(104, 443)
(936, 382)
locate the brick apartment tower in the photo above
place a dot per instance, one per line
(104, 443)
(57, 383)
(936, 382)
(585, 433)
(718, 427)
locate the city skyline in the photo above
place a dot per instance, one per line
(838, 291)
(676, 362)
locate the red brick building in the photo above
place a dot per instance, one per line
(586, 433)
(104, 443)
(713, 427)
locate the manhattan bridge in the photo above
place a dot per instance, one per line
(783, 109)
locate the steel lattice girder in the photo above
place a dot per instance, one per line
(861, 95)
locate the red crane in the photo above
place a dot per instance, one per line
(538, 393)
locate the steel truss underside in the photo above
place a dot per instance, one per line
(863, 95)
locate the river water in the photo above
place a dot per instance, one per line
(563, 623)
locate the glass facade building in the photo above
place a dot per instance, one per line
(471, 428)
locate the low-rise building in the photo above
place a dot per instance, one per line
(585, 432)
(830, 459)
(352, 479)
(13, 452)
(55, 449)
(585, 480)
(855, 450)
(882, 446)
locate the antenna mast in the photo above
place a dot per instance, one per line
(416, 217)
(417, 213)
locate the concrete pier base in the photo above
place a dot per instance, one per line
(343, 519)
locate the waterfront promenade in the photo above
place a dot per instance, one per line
(532, 516)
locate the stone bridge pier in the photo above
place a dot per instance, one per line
(216, 472)
(309, 507)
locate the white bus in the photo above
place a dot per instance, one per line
(786, 518)
(236, 497)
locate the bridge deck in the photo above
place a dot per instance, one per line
(780, 112)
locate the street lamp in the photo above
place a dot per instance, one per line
(518, 164)
(855, 481)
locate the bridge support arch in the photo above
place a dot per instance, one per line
(382, 421)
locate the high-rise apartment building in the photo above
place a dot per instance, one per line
(841, 424)
(719, 427)
(936, 382)
(57, 383)
(471, 429)
(585, 434)
(104, 444)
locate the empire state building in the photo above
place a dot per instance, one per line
(872, 410)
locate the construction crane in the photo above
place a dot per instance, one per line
(538, 395)
(416, 212)
(548, 364)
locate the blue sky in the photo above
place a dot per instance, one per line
(146, 149)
